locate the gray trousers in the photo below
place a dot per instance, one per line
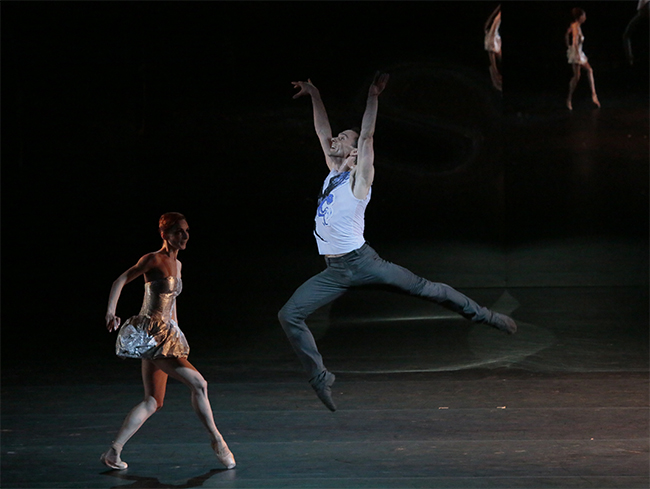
(361, 267)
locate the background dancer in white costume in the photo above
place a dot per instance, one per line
(492, 44)
(155, 338)
(339, 234)
(577, 59)
(640, 16)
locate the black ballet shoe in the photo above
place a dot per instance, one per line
(322, 384)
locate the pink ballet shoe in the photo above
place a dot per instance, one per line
(594, 99)
(224, 455)
(568, 104)
(116, 464)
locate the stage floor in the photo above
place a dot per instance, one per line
(425, 400)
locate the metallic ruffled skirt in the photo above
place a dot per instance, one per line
(147, 337)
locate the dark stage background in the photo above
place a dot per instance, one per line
(115, 112)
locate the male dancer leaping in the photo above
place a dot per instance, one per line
(339, 234)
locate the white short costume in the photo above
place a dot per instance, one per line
(574, 53)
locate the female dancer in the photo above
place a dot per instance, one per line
(154, 336)
(576, 57)
(641, 15)
(492, 44)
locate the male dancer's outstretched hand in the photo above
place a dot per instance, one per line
(378, 83)
(306, 88)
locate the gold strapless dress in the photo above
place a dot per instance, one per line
(153, 333)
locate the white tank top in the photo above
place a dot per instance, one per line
(339, 220)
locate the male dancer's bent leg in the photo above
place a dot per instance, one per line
(316, 292)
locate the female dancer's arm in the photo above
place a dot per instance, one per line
(179, 267)
(144, 264)
(569, 32)
(488, 23)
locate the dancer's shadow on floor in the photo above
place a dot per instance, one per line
(153, 483)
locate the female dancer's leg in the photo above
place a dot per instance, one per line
(573, 83)
(183, 371)
(590, 74)
(155, 385)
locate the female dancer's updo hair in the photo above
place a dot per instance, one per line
(576, 13)
(168, 220)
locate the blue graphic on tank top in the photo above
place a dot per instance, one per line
(325, 199)
(325, 210)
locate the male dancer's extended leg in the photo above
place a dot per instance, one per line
(378, 270)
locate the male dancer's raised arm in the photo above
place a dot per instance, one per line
(321, 121)
(365, 153)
